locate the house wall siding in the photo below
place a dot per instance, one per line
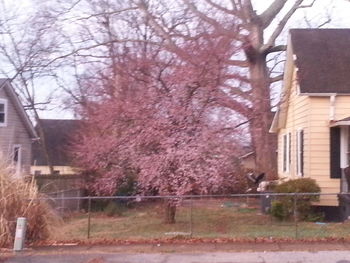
(320, 143)
(312, 114)
(342, 107)
(297, 118)
(320, 148)
(14, 133)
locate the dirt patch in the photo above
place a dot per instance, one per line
(197, 243)
(96, 260)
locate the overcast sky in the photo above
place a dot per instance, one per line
(337, 10)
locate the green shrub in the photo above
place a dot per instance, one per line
(300, 185)
(128, 186)
(283, 207)
(277, 210)
(114, 208)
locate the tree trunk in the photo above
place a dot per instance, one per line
(170, 210)
(264, 143)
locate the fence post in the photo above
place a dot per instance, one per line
(295, 214)
(20, 236)
(89, 218)
(63, 204)
(191, 217)
(78, 200)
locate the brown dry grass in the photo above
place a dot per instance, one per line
(19, 199)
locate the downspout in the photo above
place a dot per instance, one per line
(332, 107)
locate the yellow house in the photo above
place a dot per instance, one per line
(313, 118)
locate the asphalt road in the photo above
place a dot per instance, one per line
(213, 257)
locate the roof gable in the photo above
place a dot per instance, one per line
(323, 60)
(13, 97)
(58, 136)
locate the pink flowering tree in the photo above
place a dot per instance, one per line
(162, 122)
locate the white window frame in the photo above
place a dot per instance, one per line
(4, 101)
(17, 165)
(299, 152)
(286, 144)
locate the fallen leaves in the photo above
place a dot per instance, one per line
(187, 240)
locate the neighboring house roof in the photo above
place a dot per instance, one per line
(58, 135)
(322, 59)
(6, 85)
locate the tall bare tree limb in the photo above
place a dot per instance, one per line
(223, 9)
(270, 13)
(271, 42)
(276, 78)
(278, 48)
(218, 26)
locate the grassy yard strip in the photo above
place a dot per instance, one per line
(145, 222)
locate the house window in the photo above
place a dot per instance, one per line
(17, 158)
(300, 153)
(335, 169)
(286, 152)
(3, 112)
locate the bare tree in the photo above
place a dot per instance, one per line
(256, 33)
(245, 87)
(24, 51)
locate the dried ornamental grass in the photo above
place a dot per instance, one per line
(19, 199)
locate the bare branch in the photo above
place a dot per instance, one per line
(223, 9)
(107, 13)
(76, 51)
(277, 78)
(325, 22)
(239, 63)
(271, 42)
(248, 11)
(278, 48)
(237, 91)
(226, 101)
(218, 26)
(270, 13)
(236, 76)
(309, 5)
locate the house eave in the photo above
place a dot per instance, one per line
(339, 123)
(282, 109)
(274, 125)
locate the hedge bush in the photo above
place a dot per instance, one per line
(283, 207)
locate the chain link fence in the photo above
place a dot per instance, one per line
(239, 216)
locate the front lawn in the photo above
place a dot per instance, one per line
(210, 219)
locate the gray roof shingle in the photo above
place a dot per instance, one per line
(322, 59)
(59, 135)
